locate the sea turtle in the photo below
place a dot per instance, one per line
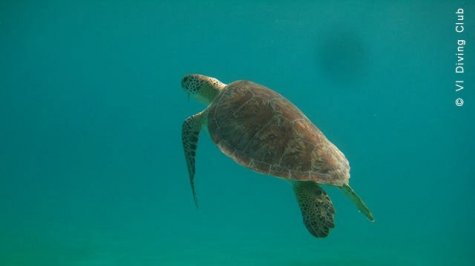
(261, 130)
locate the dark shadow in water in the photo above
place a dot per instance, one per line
(342, 56)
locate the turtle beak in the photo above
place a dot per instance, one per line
(184, 81)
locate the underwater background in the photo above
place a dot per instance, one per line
(92, 170)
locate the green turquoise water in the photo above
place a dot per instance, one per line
(91, 164)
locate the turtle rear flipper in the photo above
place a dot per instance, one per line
(358, 202)
(190, 134)
(317, 208)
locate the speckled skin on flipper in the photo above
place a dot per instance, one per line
(262, 130)
(317, 208)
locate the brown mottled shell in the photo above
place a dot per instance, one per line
(262, 130)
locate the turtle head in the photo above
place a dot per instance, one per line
(201, 87)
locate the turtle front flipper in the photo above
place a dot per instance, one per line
(190, 134)
(317, 208)
(358, 202)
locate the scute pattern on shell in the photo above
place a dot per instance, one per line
(262, 130)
